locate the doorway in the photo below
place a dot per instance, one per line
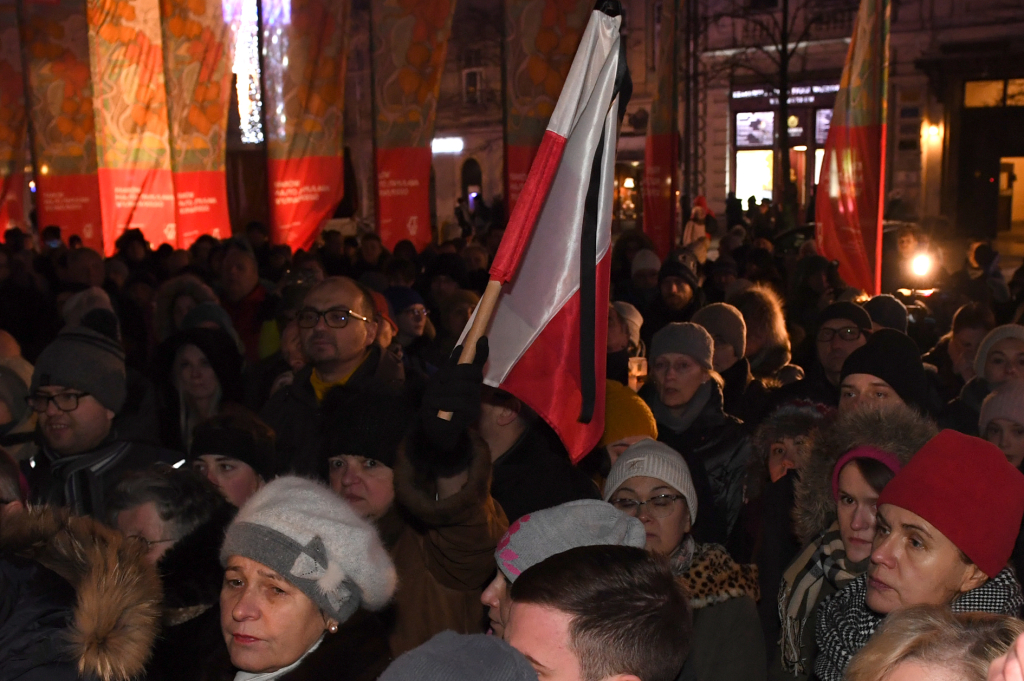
(1011, 195)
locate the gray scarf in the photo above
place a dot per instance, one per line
(678, 423)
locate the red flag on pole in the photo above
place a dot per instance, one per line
(851, 187)
(549, 326)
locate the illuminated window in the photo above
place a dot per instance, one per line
(983, 93)
(754, 173)
(242, 14)
(1015, 92)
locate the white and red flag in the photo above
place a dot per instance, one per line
(548, 330)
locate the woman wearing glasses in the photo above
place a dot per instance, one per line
(652, 482)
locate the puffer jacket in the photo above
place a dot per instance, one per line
(77, 600)
(716, 447)
(443, 551)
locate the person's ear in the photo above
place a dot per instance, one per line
(972, 579)
(509, 412)
(110, 415)
(371, 333)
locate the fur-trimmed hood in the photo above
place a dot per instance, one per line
(117, 594)
(898, 429)
(795, 420)
(191, 571)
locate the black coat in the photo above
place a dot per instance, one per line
(294, 412)
(964, 411)
(814, 387)
(533, 475)
(744, 396)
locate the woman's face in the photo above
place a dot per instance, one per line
(182, 305)
(495, 597)
(677, 378)
(235, 479)
(663, 534)
(1005, 361)
(857, 506)
(195, 376)
(267, 623)
(1008, 436)
(912, 563)
(784, 456)
(366, 484)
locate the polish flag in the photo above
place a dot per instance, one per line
(548, 330)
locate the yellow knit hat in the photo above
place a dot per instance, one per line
(625, 414)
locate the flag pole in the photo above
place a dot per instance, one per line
(483, 317)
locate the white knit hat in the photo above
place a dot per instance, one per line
(1005, 402)
(634, 320)
(994, 336)
(645, 259)
(312, 538)
(653, 459)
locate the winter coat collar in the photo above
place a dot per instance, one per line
(191, 570)
(117, 610)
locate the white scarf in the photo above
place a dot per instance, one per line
(270, 676)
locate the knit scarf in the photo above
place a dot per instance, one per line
(845, 623)
(822, 560)
(678, 423)
(710, 575)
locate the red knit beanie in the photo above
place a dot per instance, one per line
(966, 488)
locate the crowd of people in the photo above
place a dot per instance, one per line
(241, 462)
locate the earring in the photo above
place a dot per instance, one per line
(333, 628)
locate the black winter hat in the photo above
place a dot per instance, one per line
(241, 435)
(886, 310)
(675, 268)
(893, 357)
(364, 423)
(844, 310)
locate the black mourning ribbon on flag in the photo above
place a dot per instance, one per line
(588, 246)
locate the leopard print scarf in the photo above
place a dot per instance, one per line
(710, 575)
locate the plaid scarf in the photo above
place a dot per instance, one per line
(845, 623)
(822, 560)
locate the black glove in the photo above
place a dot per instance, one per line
(456, 389)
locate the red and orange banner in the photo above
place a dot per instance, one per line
(196, 47)
(304, 72)
(850, 193)
(410, 40)
(13, 123)
(56, 43)
(662, 143)
(541, 37)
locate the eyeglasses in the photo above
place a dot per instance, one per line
(847, 333)
(65, 401)
(417, 313)
(336, 317)
(149, 543)
(658, 507)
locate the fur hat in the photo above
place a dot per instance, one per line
(994, 336)
(897, 429)
(762, 313)
(653, 459)
(587, 522)
(625, 415)
(1005, 402)
(313, 539)
(725, 321)
(684, 338)
(461, 657)
(82, 359)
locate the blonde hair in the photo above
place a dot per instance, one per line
(965, 643)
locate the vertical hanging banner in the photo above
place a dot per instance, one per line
(410, 40)
(541, 37)
(196, 40)
(13, 123)
(662, 143)
(851, 192)
(305, 63)
(56, 39)
(130, 103)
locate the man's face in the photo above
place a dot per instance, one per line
(239, 275)
(843, 337)
(866, 391)
(498, 603)
(676, 293)
(75, 431)
(962, 349)
(906, 245)
(541, 634)
(324, 345)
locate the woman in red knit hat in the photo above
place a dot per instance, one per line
(947, 524)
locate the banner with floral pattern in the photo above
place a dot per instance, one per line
(13, 124)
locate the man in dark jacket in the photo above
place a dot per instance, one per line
(337, 331)
(78, 387)
(529, 474)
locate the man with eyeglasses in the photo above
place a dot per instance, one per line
(411, 316)
(337, 329)
(78, 387)
(842, 328)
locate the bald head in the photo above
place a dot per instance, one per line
(8, 346)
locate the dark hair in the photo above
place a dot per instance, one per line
(875, 473)
(401, 268)
(974, 316)
(10, 479)
(629, 615)
(182, 497)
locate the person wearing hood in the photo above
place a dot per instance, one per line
(679, 296)
(946, 527)
(835, 498)
(685, 396)
(423, 482)
(886, 369)
(1000, 358)
(651, 482)
(743, 396)
(174, 299)
(62, 615)
(201, 370)
(303, 573)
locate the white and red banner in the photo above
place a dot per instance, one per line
(544, 349)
